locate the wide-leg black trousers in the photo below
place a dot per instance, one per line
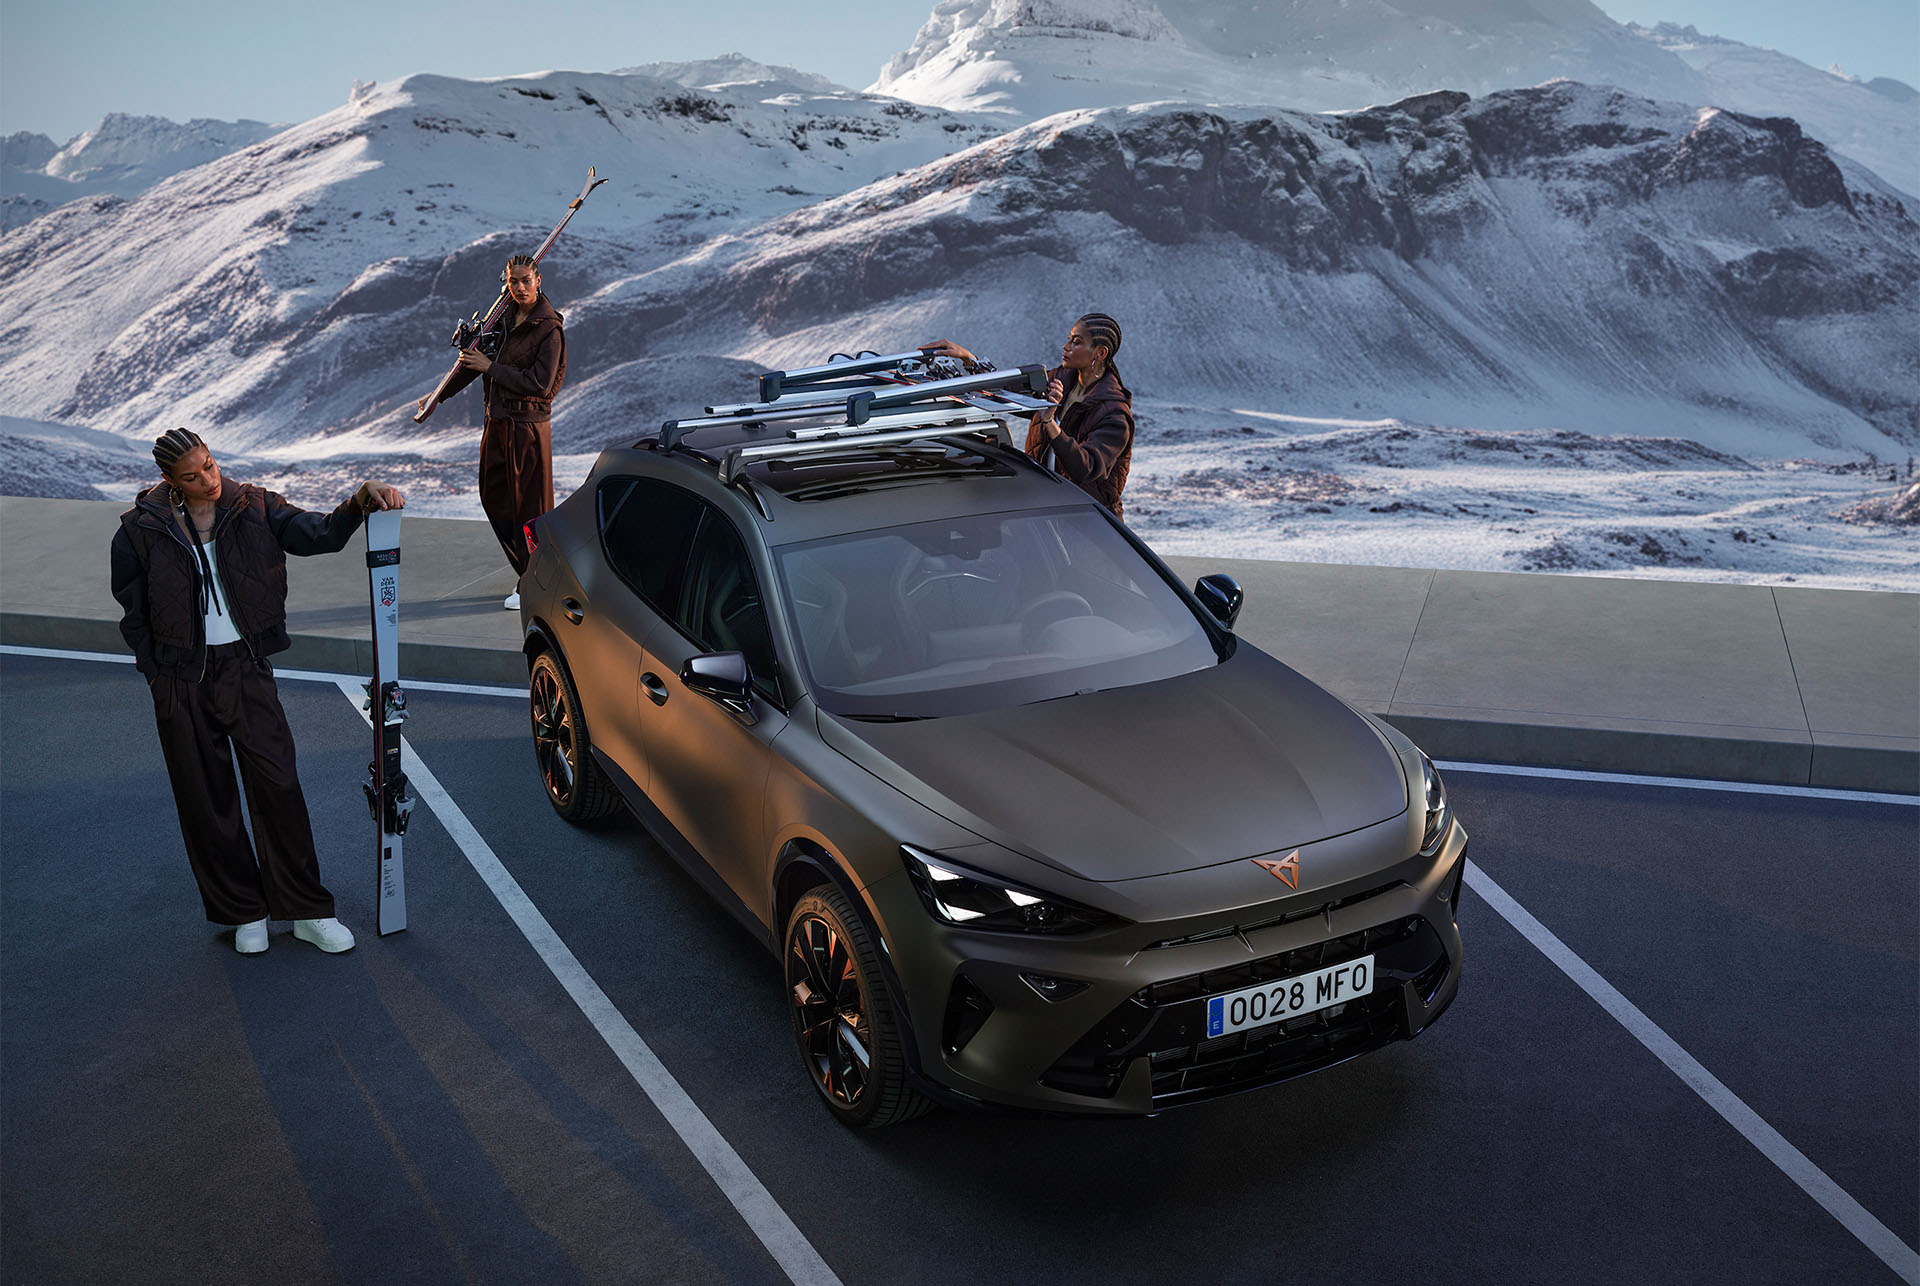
(233, 714)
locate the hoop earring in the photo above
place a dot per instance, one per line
(173, 495)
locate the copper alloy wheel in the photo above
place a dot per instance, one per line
(555, 747)
(829, 1010)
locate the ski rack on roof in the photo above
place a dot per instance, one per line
(869, 399)
(923, 424)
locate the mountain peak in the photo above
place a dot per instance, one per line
(1031, 58)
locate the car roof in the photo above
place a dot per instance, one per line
(854, 487)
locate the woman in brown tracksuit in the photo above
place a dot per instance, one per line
(1088, 436)
(520, 383)
(200, 565)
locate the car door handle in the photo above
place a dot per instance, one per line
(656, 690)
(575, 612)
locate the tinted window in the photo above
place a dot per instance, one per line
(721, 608)
(981, 611)
(646, 528)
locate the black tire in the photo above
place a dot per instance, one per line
(575, 786)
(842, 1014)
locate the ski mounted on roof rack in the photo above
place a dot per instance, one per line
(991, 392)
(890, 430)
(855, 402)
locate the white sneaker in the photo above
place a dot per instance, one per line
(250, 939)
(513, 601)
(329, 934)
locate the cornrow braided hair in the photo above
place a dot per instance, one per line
(171, 445)
(1103, 331)
(520, 261)
(167, 450)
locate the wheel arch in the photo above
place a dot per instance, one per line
(806, 864)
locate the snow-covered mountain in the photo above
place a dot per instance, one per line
(736, 70)
(1559, 255)
(1875, 122)
(1031, 58)
(122, 156)
(305, 284)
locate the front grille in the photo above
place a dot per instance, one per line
(1166, 1022)
(1285, 917)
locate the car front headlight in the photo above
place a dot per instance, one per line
(954, 895)
(1439, 814)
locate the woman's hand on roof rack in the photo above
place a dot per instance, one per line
(947, 348)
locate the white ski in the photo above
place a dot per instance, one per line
(386, 784)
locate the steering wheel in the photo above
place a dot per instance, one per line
(1045, 610)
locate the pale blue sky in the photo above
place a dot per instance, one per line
(64, 63)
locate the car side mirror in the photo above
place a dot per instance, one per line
(1220, 595)
(722, 677)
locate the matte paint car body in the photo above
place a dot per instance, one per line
(1147, 831)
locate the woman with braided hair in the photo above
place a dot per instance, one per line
(1088, 435)
(200, 565)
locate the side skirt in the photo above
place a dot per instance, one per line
(668, 836)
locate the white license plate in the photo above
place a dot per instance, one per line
(1289, 997)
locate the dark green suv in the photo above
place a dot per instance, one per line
(1024, 822)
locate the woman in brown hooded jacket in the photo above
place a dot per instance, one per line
(520, 381)
(1088, 436)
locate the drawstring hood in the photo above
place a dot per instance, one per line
(207, 597)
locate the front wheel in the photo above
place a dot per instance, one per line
(576, 787)
(842, 1015)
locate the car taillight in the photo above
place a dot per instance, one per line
(533, 538)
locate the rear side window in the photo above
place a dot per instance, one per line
(646, 528)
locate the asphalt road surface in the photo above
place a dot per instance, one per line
(436, 1106)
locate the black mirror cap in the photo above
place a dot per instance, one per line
(722, 676)
(1220, 594)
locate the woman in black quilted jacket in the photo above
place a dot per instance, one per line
(200, 565)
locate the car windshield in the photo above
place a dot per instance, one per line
(988, 610)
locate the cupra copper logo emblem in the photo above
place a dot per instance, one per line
(1287, 868)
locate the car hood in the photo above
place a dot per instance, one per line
(1244, 758)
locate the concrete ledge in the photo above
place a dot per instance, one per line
(1789, 686)
(1889, 764)
(1553, 743)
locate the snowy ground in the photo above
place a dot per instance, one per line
(1261, 484)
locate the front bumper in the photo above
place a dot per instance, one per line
(1133, 1040)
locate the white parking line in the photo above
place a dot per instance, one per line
(1873, 1234)
(1682, 783)
(778, 1233)
(790, 1247)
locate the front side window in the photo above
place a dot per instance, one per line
(721, 608)
(987, 610)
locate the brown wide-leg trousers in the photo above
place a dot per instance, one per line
(234, 713)
(516, 480)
